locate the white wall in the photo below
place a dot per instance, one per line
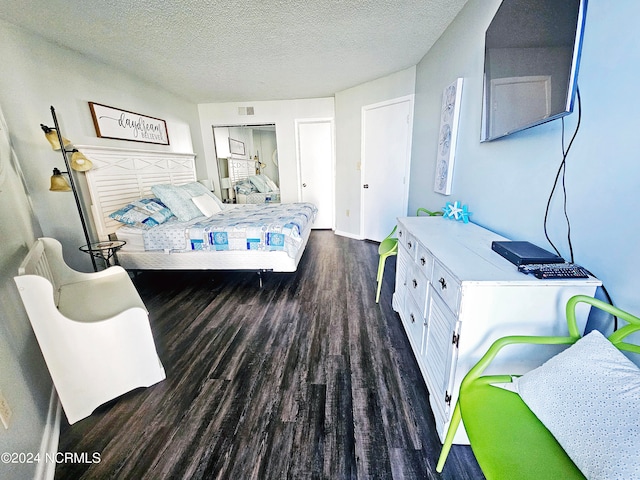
(349, 105)
(283, 114)
(506, 183)
(24, 380)
(38, 74)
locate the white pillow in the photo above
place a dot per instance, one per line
(207, 205)
(588, 397)
(270, 183)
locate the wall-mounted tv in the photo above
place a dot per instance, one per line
(532, 53)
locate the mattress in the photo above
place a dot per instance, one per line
(133, 236)
(256, 197)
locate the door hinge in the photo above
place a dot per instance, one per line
(447, 398)
(455, 339)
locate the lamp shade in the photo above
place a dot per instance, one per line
(79, 162)
(58, 182)
(52, 137)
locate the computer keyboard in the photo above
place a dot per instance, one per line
(554, 270)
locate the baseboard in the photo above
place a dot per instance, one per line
(50, 438)
(347, 234)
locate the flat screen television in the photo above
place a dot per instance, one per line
(532, 53)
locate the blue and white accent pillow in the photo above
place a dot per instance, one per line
(178, 199)
(145, 213)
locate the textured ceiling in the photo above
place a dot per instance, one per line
(217, 51)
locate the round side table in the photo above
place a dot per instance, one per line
(105, 251)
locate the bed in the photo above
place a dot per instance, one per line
(250, 186)
(121, 177)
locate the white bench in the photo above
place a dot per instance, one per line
(93, 329)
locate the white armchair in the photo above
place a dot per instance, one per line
(93, 329)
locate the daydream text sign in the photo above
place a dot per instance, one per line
(124, 125)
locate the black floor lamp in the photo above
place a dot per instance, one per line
(78, 162)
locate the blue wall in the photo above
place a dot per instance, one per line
(506, 183)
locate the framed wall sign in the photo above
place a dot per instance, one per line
(236, 147)
(124, 125)
(448, 135)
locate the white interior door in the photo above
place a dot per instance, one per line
(386, 155)
(315, 160)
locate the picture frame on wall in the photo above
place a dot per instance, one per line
(119, 124)
(447, 137)
(236, 147)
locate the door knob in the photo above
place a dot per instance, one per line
(304, 184)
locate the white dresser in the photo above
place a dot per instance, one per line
(455, 296)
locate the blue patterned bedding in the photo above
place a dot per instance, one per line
(263, 227)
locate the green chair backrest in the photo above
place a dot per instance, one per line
(427, 212)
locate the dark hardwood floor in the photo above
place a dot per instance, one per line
(306, 377)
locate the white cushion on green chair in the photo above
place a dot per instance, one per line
(588, 397)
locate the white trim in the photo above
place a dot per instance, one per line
(348, 235)
(50, 438)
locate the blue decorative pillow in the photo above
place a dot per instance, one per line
(245, 187)
(146, 213)
(259, 183)
(178, 198)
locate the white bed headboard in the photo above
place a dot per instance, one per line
(240, 169)
(120, 176)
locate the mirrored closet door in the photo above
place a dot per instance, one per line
(247, 158)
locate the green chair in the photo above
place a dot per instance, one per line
(506, 437)
(427, 212)
(388, 247)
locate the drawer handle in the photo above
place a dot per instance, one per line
(413, 319)
(400, 233)
(409, 244)
(423, 261)
(443, 283)
(415, 283)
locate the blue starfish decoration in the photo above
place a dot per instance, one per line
(456, 211)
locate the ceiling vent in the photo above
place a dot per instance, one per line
(245, 110)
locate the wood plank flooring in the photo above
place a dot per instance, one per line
(305, 378)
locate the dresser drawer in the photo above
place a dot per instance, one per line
(414, 325)
(417, 285)
(401, 233)
(440, 355)
(402, 265)
(409, 242)
(447, 286)
(424, 260)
